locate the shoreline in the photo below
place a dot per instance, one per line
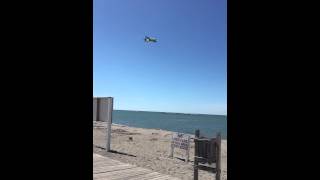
(122, 125)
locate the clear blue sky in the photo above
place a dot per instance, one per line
(185, 71)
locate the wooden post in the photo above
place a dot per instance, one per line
(109, 122)
(98, 109)
(172, 147)
(195, 171)
(187, 151)
(95, 109)
(218, 156)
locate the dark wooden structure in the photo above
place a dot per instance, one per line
(207, 154)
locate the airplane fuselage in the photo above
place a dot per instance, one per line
(148, 39)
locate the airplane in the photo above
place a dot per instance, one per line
(149, 39)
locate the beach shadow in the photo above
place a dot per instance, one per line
(117, 152)
(113, 151)
(182, 159)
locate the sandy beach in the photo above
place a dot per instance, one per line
(150, 148)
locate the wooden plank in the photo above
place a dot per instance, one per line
(99, 161)
(165, 177)
(104, 160)
(147, 176)
(111, 168)
(108, 169)
(98, 158)
(108, 166)
(121, 173)
(124, 171)
(102, 163)
(131, 176)
(131, 172)
(105, 165)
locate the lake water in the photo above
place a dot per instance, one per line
(208, 125)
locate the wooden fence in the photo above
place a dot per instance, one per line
(207, 154)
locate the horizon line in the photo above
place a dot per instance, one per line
(170, 112)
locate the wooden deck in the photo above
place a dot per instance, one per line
(108, 169)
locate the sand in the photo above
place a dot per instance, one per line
(150, 148)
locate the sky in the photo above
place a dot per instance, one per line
(185, 71)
